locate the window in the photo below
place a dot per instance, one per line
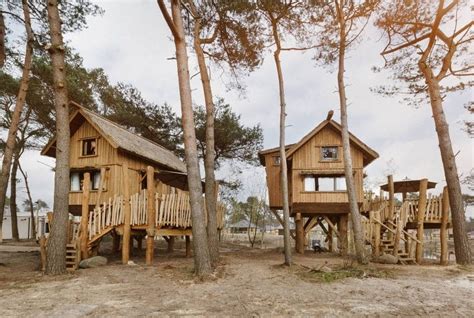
(329, 153)
(276, 160)
(77, 180)
(324, 183)
(89, 147)
(309, 183)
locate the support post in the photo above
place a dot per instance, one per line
(391, 202)
(421, 219)
(299, 234)
(330, 239)
(85, 215)
(377, 234)
(188, 246)
(342, 226)
(444, 227)
(127, 215)
(139, 243)
(150, 192)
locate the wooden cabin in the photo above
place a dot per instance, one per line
(101, 147)
(316, 171)
(316, 181)
(318, 196)
(125, 185)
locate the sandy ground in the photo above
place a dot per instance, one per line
(249, 282)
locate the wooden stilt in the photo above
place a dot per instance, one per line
(330, 239)
(444, 228)
(299, 234)
(188, 246)
(420, 220)
(42, 243)
(342, 226)
(127, 215)
(85, 215)
(150, 191)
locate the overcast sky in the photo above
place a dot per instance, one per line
(132, 43)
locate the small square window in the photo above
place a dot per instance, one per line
(329, 153)
(276, 160)
(89, 147)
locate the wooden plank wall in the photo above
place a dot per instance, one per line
(308, 158)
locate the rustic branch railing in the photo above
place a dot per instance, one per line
(434, 209)
(105, 216)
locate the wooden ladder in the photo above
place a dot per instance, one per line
(72, 257)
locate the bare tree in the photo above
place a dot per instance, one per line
(20, 102)
(284, 17)
(341, 28)
(2, 41)
(56, 246)
(428, 43)
(202, 261)
(29, 202)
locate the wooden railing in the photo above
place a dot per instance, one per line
(434, 209)
(104, 217)
(172, 209)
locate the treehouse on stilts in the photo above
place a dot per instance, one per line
(125, 186)
(318, 196)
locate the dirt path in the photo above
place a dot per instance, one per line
(249, 283)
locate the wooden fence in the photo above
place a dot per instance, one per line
(106, 216)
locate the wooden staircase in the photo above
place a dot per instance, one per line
(72, 257)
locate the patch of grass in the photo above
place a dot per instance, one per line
(326, 274)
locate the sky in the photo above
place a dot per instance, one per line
(131, 42)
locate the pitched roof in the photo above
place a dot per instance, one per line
(262, 153)
(121, 138)
(369, 154)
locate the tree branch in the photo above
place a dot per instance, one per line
(168, 19)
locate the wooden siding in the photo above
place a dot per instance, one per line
(308, 159)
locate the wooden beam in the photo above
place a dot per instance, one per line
(420, 219)
(173, 232)
(444, 227)
(85, 215)
(310, 224)
(299, 246)
(342, 226)
(320, 223)
(331, 225)
(150, 192)
(127, 212)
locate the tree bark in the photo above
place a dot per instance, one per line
(461, 244)
(30, 199)
(202, 261)
(209, 160)
(13, 205)
(346, 149)
(15, 121)
(2, 41)
(283, 163)
(56, 249)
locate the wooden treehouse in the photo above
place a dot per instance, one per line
(318, 196)
(124, 185)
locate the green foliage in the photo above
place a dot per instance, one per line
(233, 140)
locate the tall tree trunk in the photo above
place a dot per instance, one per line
(209, 160)
(283, 164)
(20, 102)
(346, 148)
(13, 205)
(202, 261)
(461, 243)
(2, 41)
(30, 199)
(56, 248)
